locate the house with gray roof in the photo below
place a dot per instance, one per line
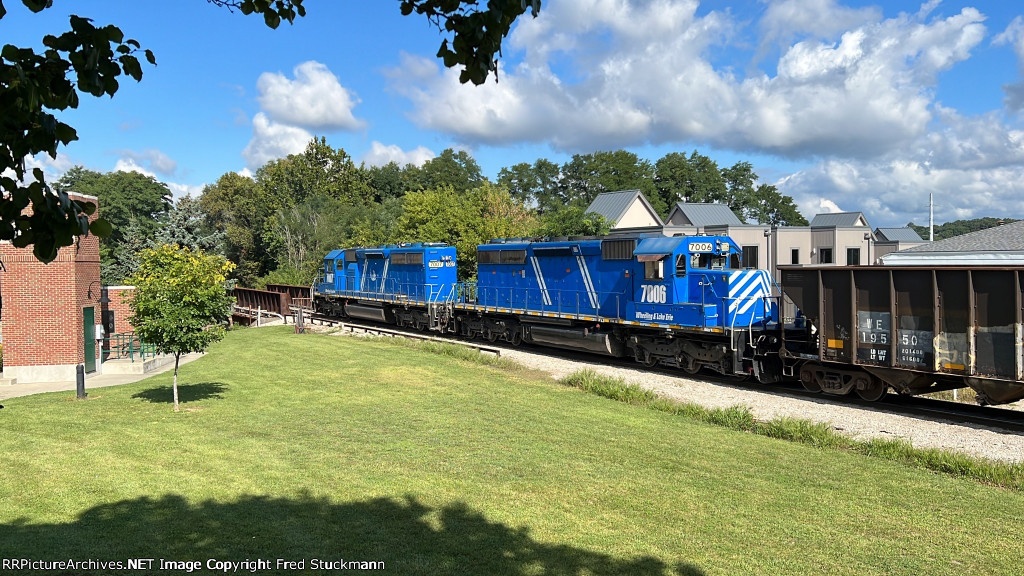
(840, 220)
(626, 210)
(700, 215)
(889, 240)
(1002, 245)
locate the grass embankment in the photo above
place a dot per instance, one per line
(818, 434)
(302, 447)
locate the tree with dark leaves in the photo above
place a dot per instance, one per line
(90, 59)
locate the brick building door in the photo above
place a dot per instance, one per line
(89, 334)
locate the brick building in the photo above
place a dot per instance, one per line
(50, 311)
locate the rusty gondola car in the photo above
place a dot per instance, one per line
(914, 329)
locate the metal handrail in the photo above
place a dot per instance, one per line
(126, 345)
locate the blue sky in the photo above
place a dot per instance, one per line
(842, 105)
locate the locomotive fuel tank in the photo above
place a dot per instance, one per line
(577, 339)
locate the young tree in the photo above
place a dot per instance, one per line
(180, 303)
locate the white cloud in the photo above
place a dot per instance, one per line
(53, 168)
(973, 167)
(380, 154)
(130, 165)
(153, 161)
(1014, 36)
(271, 140)
(614, 73)
(315, 99)
(786, 19)
(182, 190)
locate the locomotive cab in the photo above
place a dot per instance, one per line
(696, 281)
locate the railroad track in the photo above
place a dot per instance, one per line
(999, 419)
(391, 331)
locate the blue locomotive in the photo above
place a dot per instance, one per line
(681, 301)
(688, 302)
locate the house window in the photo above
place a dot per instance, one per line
(853, 256)
(750, 259)
(824, 255)
(794, 257)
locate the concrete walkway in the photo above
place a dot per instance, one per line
(91, 380)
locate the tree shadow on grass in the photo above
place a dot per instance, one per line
(405, 535)
(186, 392)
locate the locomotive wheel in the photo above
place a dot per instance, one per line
(517, 337)
(493, 336)
(807, 379)
(874, 391)
(649, 360)
(689, 364)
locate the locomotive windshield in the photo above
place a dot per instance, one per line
(708, 261)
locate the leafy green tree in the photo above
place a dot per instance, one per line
(388, 181)
(90, 59)
(535, 184)
(587, 175)
(768, 206)
(739, 188)
(180, 303)
(235, 205)
(573, 221)
(132, 203)
(450, 168)
(958, 227)
(319, 170)
(673, 175)
(477, 31)
(307, 232)
(382, 224)
(464, 220)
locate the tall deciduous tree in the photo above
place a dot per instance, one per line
(450, 168)
(464, 220)
(587, 175)
(90, 59)
(535, 184)
(235, 205)
(133, 203)
(180, 303)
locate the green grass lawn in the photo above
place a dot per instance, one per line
(316, 447)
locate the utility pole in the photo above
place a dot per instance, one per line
(931, 217)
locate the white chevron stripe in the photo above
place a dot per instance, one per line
(587, 281)
(746, 288)
(545, 297)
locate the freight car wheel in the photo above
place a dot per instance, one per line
(807, 378)
(873, 391)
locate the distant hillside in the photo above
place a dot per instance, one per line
(958, 227)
